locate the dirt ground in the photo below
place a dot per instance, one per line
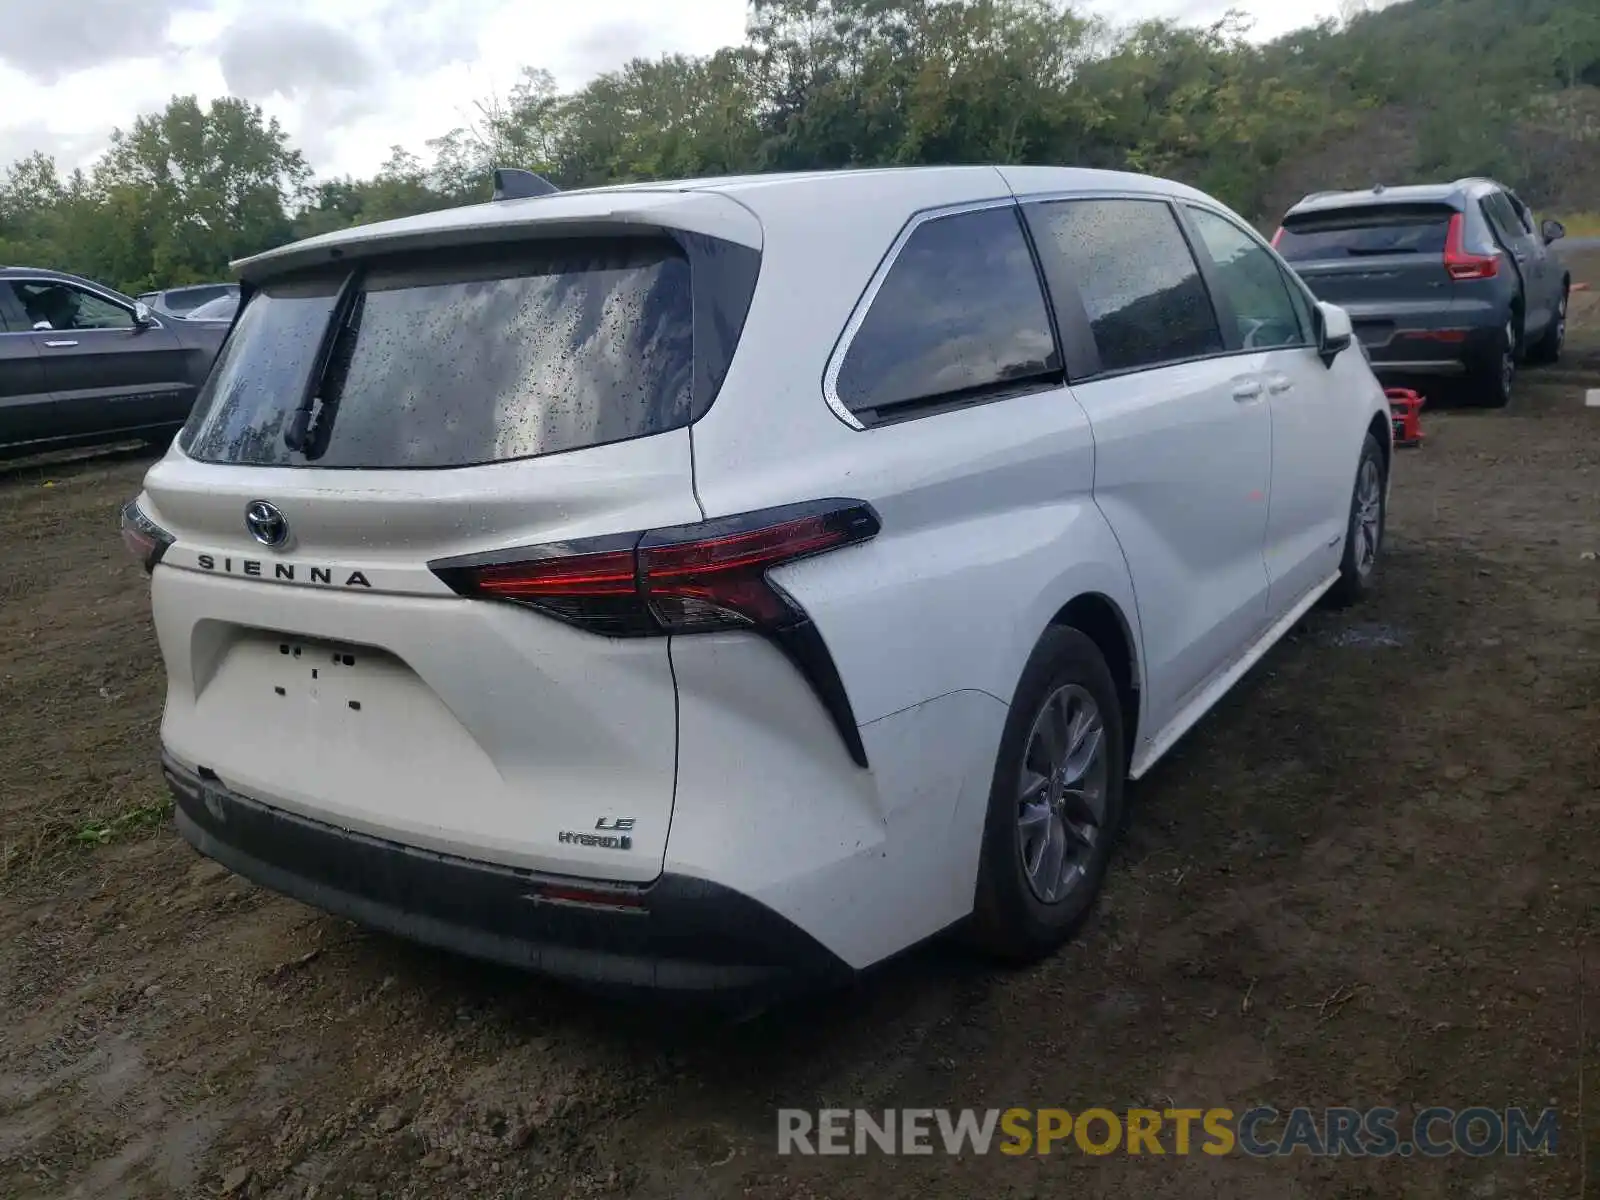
(1366, 879)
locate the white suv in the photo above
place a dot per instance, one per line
(710, 584)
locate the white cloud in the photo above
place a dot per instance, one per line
(290, 56)
(350, 78)
(46, 41)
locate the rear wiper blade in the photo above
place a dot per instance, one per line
(1364, 252)
(294, 437)
(334, 378)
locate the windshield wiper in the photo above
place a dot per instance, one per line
(294, 437)
(334, 376)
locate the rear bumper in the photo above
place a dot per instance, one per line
(1414, 352)
(680, 935)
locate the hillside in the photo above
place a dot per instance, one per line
(1444, 88)
(1552, 157)
(1421, 88)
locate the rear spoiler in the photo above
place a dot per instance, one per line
(513, 184)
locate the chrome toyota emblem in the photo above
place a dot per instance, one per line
(265, 523)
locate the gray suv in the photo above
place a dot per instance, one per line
(1450, 280)
(182, 301)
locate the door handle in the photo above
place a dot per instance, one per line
(60, 345)
(1279, 384)
(1248, 390)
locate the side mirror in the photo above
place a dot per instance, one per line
(142, 318)
(1334, 333)
(1553, 231)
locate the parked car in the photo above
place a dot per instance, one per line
(680, 586)
(182, 301)
(1446, 280)
(82, 364)
(220, 309)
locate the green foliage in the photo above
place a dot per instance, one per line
(172, 201)
(1503, 87)
(136, 818)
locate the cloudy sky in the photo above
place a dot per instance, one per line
(350, 78)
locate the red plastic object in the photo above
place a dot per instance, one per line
(1405, 409)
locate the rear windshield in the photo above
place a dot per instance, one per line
(1366, 232)
(454, 361)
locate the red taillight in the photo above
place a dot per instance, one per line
(710, 581)
(689, 579)
(712, 575)
(1277, 237)
(1459, 262)
(145, 540)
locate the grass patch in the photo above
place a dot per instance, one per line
(1582, 224)
(49, 843)
(138, 819)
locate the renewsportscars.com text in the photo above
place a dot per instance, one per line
(1258, 1132)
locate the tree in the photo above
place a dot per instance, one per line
(209, 184)
(1508, 87)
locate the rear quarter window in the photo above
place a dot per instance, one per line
(960, 314)
(460, 359)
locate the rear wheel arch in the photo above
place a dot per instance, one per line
(1103, 622)
(1382, 432)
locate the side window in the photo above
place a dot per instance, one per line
(63, 306)
(961, 312)
(1524, 213)
(1250, 281)
(1507, 226)
(1141, 289)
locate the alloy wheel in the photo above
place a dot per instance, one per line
(1061, 800)
(1368, 516)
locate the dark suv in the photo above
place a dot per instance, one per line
(82, 364)
(1446, 279)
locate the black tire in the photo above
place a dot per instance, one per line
(1548, 348)
(1358, 570)
(1010, 921)
(1489, 384)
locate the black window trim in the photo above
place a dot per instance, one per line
(942, 402)
(1219, 298)
(82, 286)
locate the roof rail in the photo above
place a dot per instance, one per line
(511, 183)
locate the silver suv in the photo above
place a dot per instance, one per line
(1442, 280)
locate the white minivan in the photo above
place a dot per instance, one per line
(723, 583)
